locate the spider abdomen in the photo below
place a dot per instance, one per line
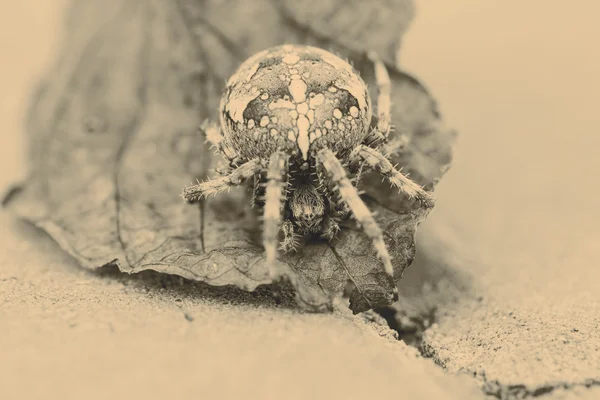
(294, 98)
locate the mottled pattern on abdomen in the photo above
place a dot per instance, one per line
(296, 98)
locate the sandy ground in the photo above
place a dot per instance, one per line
(508, 258)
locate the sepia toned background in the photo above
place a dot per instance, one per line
(517, 213)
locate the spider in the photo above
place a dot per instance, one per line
(298, 119)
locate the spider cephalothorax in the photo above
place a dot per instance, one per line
(297, 119)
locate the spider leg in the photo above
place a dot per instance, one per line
(377, 161)
(381, 124)
(395, 146)
(336, 208)
(330, 228)
(350, 196)
(194, 193)
(212, 133)
(290, 238)
(374, 138)
(258, 191)
(384, 88)
(274, 200)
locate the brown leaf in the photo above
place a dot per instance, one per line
(114, 139)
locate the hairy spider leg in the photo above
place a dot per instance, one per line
(395, 145)
(211, 131)
(330, 227)
(273, 210)
(384, 89)
(350, 196)
(258, 195)
(381, 164)
(381, 126)
(290, 240)
(337, 210)
(247, 170)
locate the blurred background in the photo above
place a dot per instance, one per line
(520, 81)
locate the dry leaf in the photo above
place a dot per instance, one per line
(113, 133)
